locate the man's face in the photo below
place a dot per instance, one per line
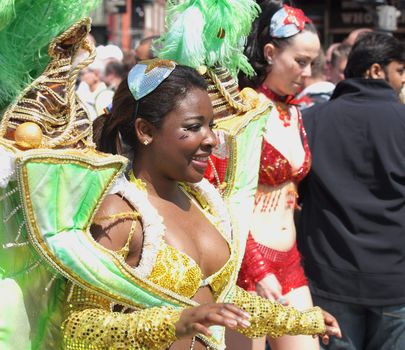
(394, 75)
(337, 71)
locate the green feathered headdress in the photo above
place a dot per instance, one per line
(208, 32)
(26, 29)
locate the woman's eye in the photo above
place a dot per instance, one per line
(194, 127)
(213, 125)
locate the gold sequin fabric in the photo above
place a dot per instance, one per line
(175, 271)
(90, 324)
(271, 318)
(220, 279)
(179, 273)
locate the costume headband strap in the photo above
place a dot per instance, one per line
(147, 75)
(287, 22)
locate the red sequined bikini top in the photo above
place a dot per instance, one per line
(275, 169)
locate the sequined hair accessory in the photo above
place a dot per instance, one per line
(147, 75)
(287, 22)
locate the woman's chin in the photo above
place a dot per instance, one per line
(194, 177)
(296, 89)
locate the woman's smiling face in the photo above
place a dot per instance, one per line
(185, 140)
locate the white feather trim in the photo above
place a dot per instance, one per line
(7, 167)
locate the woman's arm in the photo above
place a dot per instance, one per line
(92, 324)
(271, 318)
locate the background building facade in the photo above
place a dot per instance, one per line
(125, 22)
(335, 19)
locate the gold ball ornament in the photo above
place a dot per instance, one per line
(28, 135)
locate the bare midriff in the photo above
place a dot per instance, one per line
(273, 218)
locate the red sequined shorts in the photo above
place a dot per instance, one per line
(286, 266)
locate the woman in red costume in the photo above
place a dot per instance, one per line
(281, 48)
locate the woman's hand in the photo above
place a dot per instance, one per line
(270, 288)
(332, 327)
(198, 319)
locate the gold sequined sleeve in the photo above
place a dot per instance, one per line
(90, 324)
(274, 319)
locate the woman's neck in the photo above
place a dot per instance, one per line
(272, 95)
(268, 86)
(159, 186)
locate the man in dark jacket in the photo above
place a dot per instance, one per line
(352, 226)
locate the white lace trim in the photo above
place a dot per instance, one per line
(7, 167)
(152, 223)
(215, 201)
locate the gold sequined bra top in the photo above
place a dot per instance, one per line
(179, 273)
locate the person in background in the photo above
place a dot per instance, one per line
(109, 53)
(352, 225)
(354, 35)
(144, 49)
(128, 60)
(329, 50)
(91, 85)
(316, 88)
(337, 63)
(114, 74)
(339, 52)
(281, 48)
(402, 95)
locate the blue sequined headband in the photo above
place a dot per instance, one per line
(147, 75)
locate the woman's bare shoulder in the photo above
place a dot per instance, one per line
(113, 204)
(113, 221)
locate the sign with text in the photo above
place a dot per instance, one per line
(349, 14)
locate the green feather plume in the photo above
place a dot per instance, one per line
(182, 42)
(6, 12)
(194, 29)
(26, 29)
